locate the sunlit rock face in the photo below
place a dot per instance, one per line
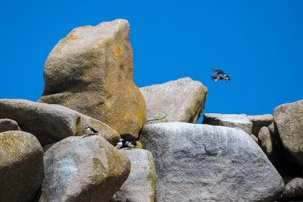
(209, 163)
(91, 71)
(182, 100)
(83, 169)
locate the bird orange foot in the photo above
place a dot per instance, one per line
(89, 135)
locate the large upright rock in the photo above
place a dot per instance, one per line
(83, 169)
(21, 166)
(289, 121)
(91, 71)
(209, 163)
(182, 100)
(240, 121)
(51, 123)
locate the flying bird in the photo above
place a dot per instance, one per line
(221, 75)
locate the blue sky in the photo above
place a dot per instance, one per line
(259, 44)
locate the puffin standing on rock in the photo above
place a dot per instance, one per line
(91, 131)
(221, 75)
(119, 145)
(130, 144)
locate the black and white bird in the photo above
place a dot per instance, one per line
(221, 75)
(119, 145)
(91, 131)
(130, 144)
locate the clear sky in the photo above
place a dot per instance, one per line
(258, 43)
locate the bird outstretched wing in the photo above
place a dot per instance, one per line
(216, 78)
(220, 75)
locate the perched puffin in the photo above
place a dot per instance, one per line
(90, 131)
(221, 75)
(119, 145)
(130, 144)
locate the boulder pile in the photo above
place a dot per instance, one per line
(95, 136)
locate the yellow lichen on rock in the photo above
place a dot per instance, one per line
(99, 171)
(95, 77)
(21, 165)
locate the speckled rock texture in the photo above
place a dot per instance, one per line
(141, 183)
(8, 124)
(52, 123)
(289, 121)
(197, 162)
(21, 166)
(83, 169)
(293, 190)
(91, 71)
(182, 100)
(240, 121)
(258, 121)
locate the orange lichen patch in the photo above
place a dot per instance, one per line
(118, 51)
(4, 142)
(10, 144)
(71, 37)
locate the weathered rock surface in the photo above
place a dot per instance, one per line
(21, 166)
(91, 71)
(8, 124)
(209, 163)
(289, 121)
(259, 121)
(268, 145)
(157, 118)
(140, 185)
(51, 123)
(240, 121)
(182, 100)
(83, 169)
(293, 190)
(265, 140)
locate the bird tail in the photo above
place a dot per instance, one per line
(215, 78)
